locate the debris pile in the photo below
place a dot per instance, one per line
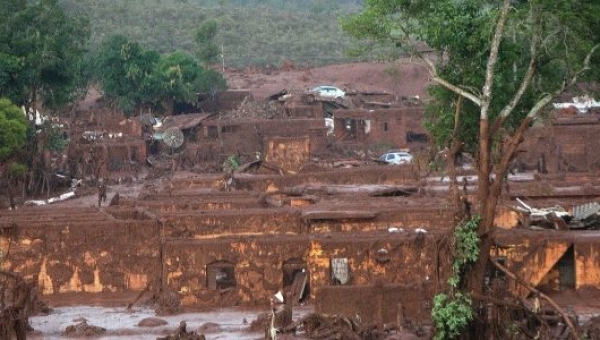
(83, 329)
(182, 334)
(329, 327)
(583, 217)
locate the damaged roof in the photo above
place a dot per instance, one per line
(184, 121)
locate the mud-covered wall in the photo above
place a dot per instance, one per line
(220, 223)
(85, 256)
(288, 153)
(587, 263)
(566, 145)
(380, 303)
(383, 126)
(248, 137)
(550, 259)
(258, 264)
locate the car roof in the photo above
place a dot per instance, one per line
(325, 87)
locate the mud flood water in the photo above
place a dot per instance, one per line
(226, 324)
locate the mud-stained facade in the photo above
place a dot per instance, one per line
(80, 250)
(390, 126)
(552, 260)
(565, 144)
(226, 249)
(258, 265)
(351, 239)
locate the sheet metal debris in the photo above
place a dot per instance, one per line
(583, 217)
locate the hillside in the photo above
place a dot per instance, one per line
(399, 78)
(249, 33)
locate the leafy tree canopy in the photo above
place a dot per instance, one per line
(180, 78)
(135, 77)
(124, 71)
(13, 129)
(547, 38)
(39, 46)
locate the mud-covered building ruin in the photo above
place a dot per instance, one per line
(351, 237)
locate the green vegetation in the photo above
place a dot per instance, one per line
(500, 63)
(451, 315)
(39, 46)
(452, 312)
(136, 78)
(13, 129)
(13, 135)
(249, 33)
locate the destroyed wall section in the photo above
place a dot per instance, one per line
(248, 137)
(564, 144)
(126, 248)
(550, 258)
(378, 126)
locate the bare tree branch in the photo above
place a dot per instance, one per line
(492, 60)
(548, 97)
(440, 81)
(508, 109)
(529, 287)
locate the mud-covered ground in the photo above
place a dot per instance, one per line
(123, 324)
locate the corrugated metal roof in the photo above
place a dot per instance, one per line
(584, 211)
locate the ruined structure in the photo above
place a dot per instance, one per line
(355, 238)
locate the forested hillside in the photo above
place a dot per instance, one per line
(249, 33)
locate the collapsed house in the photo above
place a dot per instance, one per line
(353, 240)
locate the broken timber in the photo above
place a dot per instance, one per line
(368, 190)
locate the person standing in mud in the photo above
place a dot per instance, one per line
(101, 193)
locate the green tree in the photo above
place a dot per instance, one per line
(179, 76)
(211, 82)
(39, 44)
(125, 70)
(13, 127)
(499, 64)
(137, 78)
(208, 51)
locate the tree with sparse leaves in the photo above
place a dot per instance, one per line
(208, 51)
(499, 64)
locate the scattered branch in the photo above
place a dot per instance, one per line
(529, 287)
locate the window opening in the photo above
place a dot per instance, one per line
(566, 269)
(340, 273)
(220, 275)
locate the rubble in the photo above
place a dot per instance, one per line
(84, 329)
(331, 327)
(583, 217)
(183, 334)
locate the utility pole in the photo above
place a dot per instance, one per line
(223, 57)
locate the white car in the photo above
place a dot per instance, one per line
(328, 91)
(396, 158)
